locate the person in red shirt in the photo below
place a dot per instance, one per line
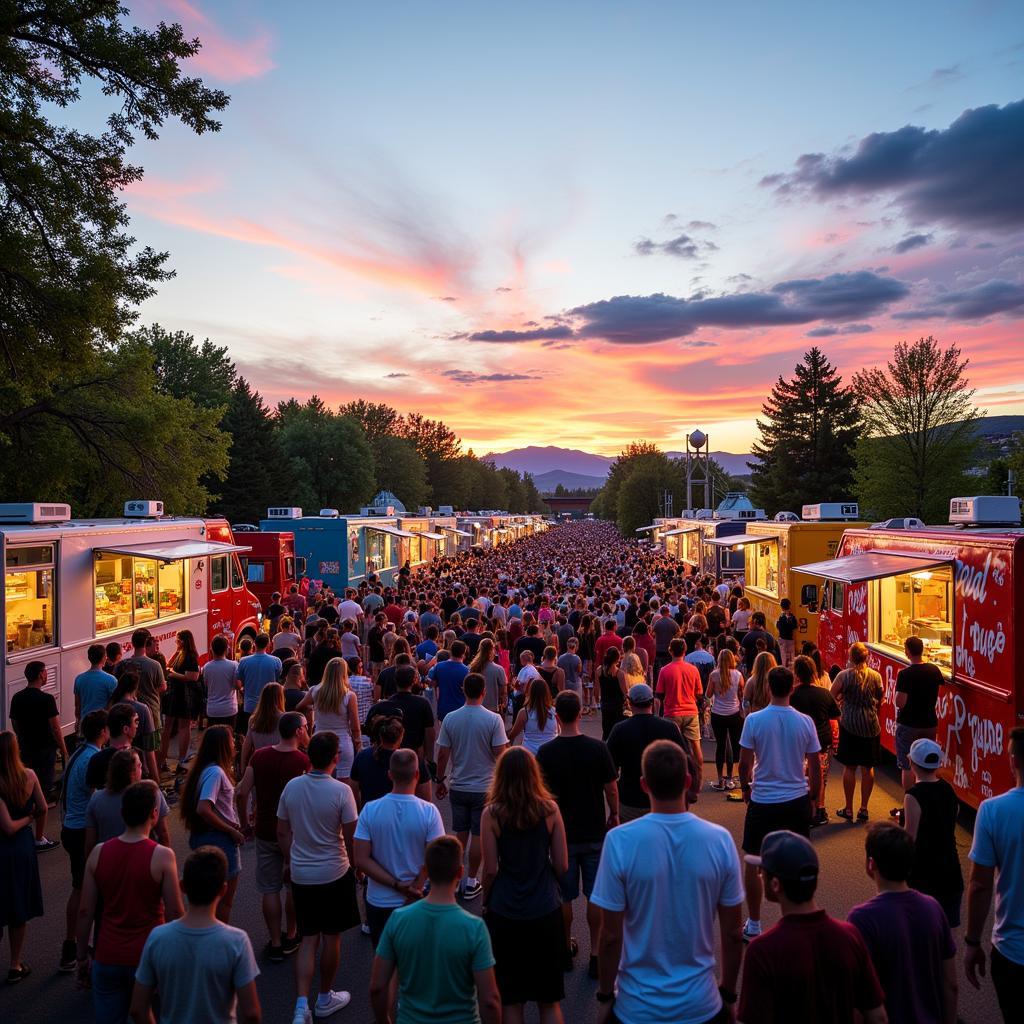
(394, 611)
(609, 638)
(678, 689)
(809, 967)
(266, 775)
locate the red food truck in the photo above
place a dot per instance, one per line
(68, 583)
(270, 565)
(960, 588)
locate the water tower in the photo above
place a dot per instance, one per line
(698, 471)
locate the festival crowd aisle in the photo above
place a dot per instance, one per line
(563, 779)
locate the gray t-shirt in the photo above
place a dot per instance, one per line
(197, 971)
(665, 629)
(221, 696)
(471, 732)
(104, 814)
(571, 665)
(494, 680)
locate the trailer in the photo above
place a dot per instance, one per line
(69, 583)
(774, 552)
(960, 588)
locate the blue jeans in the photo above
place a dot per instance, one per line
(112, 992)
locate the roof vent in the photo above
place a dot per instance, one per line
(143, 509)
(786, 517)
(329, 513)
(285, 512)
(985, 510)
(34, 512)
(903, 523)
(445, 510)
(831, 510)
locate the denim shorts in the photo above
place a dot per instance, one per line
(224, 843)
(466, 810)
(583, 861)
(905, 737)
(112, 986)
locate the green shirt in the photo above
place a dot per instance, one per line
(436, 947)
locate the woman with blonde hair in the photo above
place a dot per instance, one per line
(536, 720)
(263, 722)
(336, 709)
(725, 683)
(21, 893)
(525, 855)
(631, 667)
(859, 690)
(756, 694)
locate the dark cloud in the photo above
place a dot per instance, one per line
(395, 376)
(469, 377)
(843, 296)
(951, 74)
(557, 333)
(683, 247)
(967, 175)
(830, 329)
(911, 242)
(739, 278)
(983, 300)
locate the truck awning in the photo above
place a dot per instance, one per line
(172, 550)
(393, 531)
(458, 533)
(433, 536)
(647, 529)
(872, 565)
(741, 538)
(682, 529)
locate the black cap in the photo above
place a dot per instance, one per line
(787, 855)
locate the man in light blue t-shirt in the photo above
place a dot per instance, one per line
(997, 864)
(254, 672)
(93, 688)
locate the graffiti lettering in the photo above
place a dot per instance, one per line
(986, 735)
(859, 600)
(972, 582)
(963, 657)
(988, 642)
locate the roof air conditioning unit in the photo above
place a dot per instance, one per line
(285, 512)
(425, 510)
(34, 512)
(831, 510)
(329, 513)
(143, 509)
(985, 510)
(446, 510)
(244, 528)
(902, 523)
(787, 517)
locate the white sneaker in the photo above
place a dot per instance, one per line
(334, 1002)
(302, 1016)
(751, 930)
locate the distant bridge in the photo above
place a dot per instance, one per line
(575, 505)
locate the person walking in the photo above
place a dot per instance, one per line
(997, 867)
(449, 677)
(627, 743)
(679, 688)
(22, 803)
(269, 770)
(725, 684)
(907, 934)
(663, 883)
(931, 809)
(786, 626)
(611, 689)
(535, 721)
(203, 969)
(471, 740)
(818, 704)
(336, 709)
(316, 820)
(809, 967)
(370, 779)
(779, 770)
(524, 856)
(263, 731)
(440, 953)
(580, 773)
(414, 710)
(207, 807)
(391, 838)
(254, 672)
(859, 691)
(130, 888)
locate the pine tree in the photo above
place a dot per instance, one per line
(809, 427)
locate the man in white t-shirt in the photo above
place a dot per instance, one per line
(997, 865)
(351, 609)
(315, 829)
(663, 881)
(776, 744)
(390, 841)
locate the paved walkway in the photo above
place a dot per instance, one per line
(48, 996)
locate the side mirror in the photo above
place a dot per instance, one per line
(809, 596)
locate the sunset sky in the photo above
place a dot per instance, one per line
(580, 223)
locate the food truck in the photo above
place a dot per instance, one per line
(773, 551)
(270, 565)
(433, 537)
(960, 588)
(686, 538)
(68, 583)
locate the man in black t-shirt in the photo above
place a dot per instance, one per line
(917, 690)
(581, 775)
(416, 713)
(627, 742)
(757, 632)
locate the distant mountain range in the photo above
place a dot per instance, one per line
(570, 467)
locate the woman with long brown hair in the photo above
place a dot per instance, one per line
(184, 702)
(611, 687)
(21, 894)
(262, 731)
(859, 691)
(525, 854)
(536, 720)
(208, 805)
(588, 639)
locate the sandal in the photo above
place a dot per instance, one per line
(862, 814)
(16, 974)
(845, 814)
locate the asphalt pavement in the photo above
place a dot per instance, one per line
(48, 996)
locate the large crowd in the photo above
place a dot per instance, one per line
(334, 739)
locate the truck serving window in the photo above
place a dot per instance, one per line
(914, 604)
(29, 594)
(132, 591)
(764, 566)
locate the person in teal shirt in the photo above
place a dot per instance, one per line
(441, 953)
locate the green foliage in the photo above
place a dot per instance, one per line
(399, 469)
(809, 427)
(637, 480)
(920, 437)
(1015, 463)
(204, 374)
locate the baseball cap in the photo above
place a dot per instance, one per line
(640, 694)
(786, 855)
(926, 754)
